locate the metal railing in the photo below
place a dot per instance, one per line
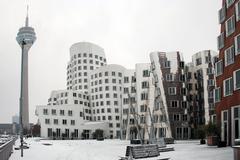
(6, 149)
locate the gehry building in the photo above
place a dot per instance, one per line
(147, 102)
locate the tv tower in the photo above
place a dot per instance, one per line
(25, 38)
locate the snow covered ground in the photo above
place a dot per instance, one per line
(112, 150)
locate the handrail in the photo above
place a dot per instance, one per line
(6, 149)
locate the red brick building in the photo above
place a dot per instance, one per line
(227, 71)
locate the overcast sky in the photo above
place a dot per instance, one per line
(128, 30)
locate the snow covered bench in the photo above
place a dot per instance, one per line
(142, 151)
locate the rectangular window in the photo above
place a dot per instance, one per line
(198, 61)
(220, 41)
(237, 43)
(237, 9)
(145, 84)
(230, 26)
(62, 112)
(146, 73)
(221, 14)
(167, 64)
(47, 121)
(229, 56)
(210, 82)
(55, 121)
(228, 86)
(172, 91)
(45, 111)
(217, 95)
(169, 77)
(72, 122)
(64, 121)
(174, 104)
(218, 68)
(53, 111)
(144, 96)
(236, 75)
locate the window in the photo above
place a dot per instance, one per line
(198, 61)
(218, 68)
(45, 111)
(69, 113)
(62, 112)
(145, 84)
(229, 2)
(53, 111)
(144, 96)
(113, 73)
(228, 86)
(126, 80)
(237, 43)
(222, 14)
(64, 121)
(237, 9)
(209, 71)
(167, 64)
(172, 90)
(229, 56)
(146, 73)
(169, 77)
(55, 121)
(143, 108)
(176, 117)
(72, 122)
(174, 104)
(220, 41)
(236, 75)
(47, 121)
(210, 82)
(125, 90)
(230, 26)
(217, 95)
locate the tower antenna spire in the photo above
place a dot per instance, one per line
(26, 21)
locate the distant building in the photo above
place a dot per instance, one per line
(227, 71)
(15, 119)
(9, 128)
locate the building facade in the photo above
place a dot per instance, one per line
(200, 85)
(151, 101)
(171, 94)
(227, 70)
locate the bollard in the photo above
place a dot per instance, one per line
(236, 149)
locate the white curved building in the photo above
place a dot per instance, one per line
(84, 58)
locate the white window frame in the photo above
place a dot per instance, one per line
(169, 77)
(219, 95)
(237, 46)
(227, 53)
(234, 80)
(237, 11)
(170, 89)
(224, 87)
(220, 70)
(220, 41)
(229, 32)
(229, 3)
